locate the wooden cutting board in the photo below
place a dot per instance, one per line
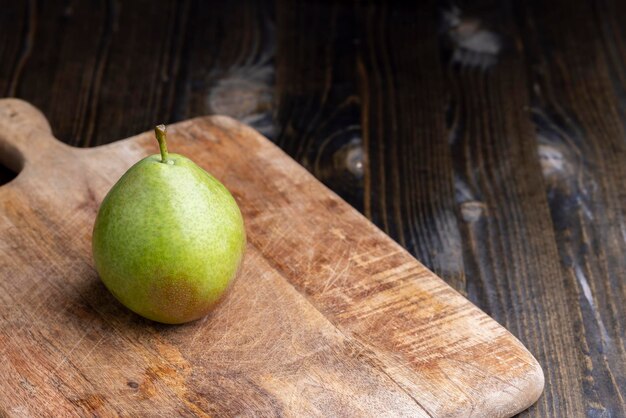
(329, 317)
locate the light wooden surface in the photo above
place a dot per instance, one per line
(329, 316)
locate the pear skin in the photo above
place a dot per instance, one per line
(168, 238)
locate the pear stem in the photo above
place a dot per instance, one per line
(161, 137)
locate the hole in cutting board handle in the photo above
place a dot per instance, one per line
(11, 163)
(6, 174)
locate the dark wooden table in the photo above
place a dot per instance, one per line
(488, 138)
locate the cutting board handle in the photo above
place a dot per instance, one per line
(25, 135)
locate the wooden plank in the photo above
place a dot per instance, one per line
(78, 62)
(227, 65)
(317, 103)
(329, 317)
(511, 251)
(502, 208)
(580, 129)
(83, 60)
(16, 29)
(409, 185)
(62, 71)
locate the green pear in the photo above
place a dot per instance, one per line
(168, 238)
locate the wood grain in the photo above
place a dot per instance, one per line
(328, 317)
(238, 44)
(501, 197)
(318, 119)
(580, 129)
(444, 122)
(409, 185)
